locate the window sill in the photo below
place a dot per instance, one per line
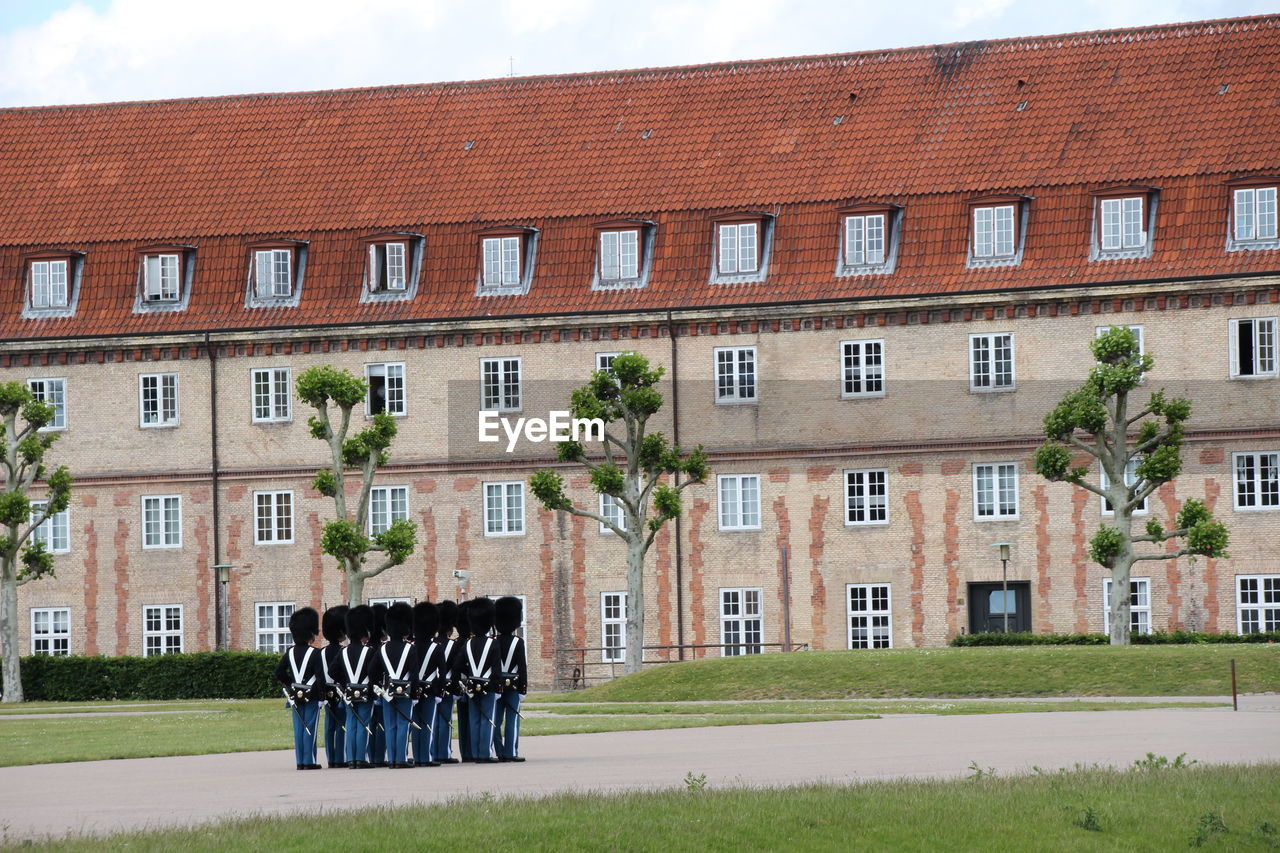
(856, 524)
(975, 263)
(1252, 245)
(1251, 377)
(1005, 389)
(997, 518)
(734, 402)
(488, 535)
(869, 395)
(172, 425)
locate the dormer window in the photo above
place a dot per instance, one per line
(624, 253)
(49, 283)
(502, 261)
(506, 261)
(164, 278)
(1253, 214)
(1123, 221)
(52, 280)
(996, 226)
(742, 248)
(392, 263)
(388, 270)
(866, 240)
(275, 273)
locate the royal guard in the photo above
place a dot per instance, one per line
(462, 699)
(333, 626)
(478, 668)
(427, 659)
(397, 683)
(302, 677)
(512, 680)
(442, 728)
(355, 674)
(378, 741)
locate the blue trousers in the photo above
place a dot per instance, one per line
(481, 729)
(424, 714)
(335, 737)
(378, 743)
(506, 722)
(442, 730)
(397, 727)
(359, 715)
(463, 705)
(305, 717)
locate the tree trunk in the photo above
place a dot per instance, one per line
(1121, 569)
(635, 600)
(9, 634)
(355, 587)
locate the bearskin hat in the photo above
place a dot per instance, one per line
(447, 611)
(508, 613)
(399, 620)
(480, 615)
(426, 619)
(359, 623)
(462, 619)
(378, 630)
(334, 624)
(304, 625)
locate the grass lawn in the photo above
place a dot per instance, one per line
(1205, 808)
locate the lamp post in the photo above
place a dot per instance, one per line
(1004, 579)
(224, 578)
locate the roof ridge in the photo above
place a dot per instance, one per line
(1064, 39)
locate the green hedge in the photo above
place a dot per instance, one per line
(1158, 638)
(203, 675)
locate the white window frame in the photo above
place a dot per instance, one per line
(875, 622)
(745, 615)
(1130, 477)
(393, 257)
(52, 390)
(163, 541)
(387, 505)
(862, 371)
(1122, 224)
(278, 390)
(50, 636)
(1258, 222)
(738, 248)
(995, 232)
(1139, 605)
(1263, 490)
(1266, 602)
(511, 521)
(273, 273)
(619, 255)
(860, 493)
(54, 531)
(498, 376)
(278, 635)
(998, 476)
(737, 376)
(733, 512)
(1138, 332)
(390, 600)
(278, 506)
(165, 634)
(162, 277)
(984, 374)
(502, 260)
(616, 653)
(612, 510)
(604, 360)
(164, 400)
(1262, 342)
(50, 283)
(392, 374)
(866, 239)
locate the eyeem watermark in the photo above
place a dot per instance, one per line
(558, 427)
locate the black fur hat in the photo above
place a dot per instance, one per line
(462, 619)
(334, 624)
(508, 613)
(426, 620)
(448, 613)
(304, 625)
(378, 629)
(480, 615)
(359, 623)
(399, 620)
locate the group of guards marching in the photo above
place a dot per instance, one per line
(391, 678)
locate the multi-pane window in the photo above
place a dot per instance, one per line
(272, 273)
(991, 362)
(604, 360)
(619, 255)
(1122, 225)
(862, 368)
(613, 626)
(503, 509)
(1130, 479)
(995, 491)
(161, 629)
(158, 399)
(161, 521)
(866, 496)
(1139, 605)
(870, 616)
(1255, 214)
(612, 510)
(501, 261)
(738, 248)
(160, 282)
(273, 517)
(1253, 347)
(993, 233)
(54, 532)
(49, 284)
(739, 501)
(388, 266)
(387, 504)
(1257, 603)
(50, 631)
(1257, 478)
(1099, 331)
(54, 393)
(271, 397)
(864, 240)
(273, 626)
(386, 388)
(741, 621)
(735, 374)
(500, 384)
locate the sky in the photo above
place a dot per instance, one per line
(90, 51)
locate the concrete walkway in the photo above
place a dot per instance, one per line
(104, 796)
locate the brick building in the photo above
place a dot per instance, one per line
(868, 277)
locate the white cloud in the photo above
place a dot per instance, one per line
(972, 11)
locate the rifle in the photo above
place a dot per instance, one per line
(296, 710)
(378, 691)
(350, 706)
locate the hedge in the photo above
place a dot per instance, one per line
(202, 675)
(1158, 638)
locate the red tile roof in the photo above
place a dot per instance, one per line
(1183, 108)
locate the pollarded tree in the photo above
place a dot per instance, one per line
(1137, 453)
(639, 471)
(345, 538)
(22, 558)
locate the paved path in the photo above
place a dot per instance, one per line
(102, 796)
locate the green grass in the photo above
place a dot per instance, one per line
(1192, 670)
(1226, 808)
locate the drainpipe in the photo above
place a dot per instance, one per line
(219, 589)
(675, 438)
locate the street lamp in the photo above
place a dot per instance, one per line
(224, 577)
(1004, 579)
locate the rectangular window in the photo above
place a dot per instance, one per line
(273, 518)
(273, 273)
(995, 491)
(1099, 331)
(619, 255)
(1257, 480)
(870, 616)
(604, 360)
(271, 397)
(158, 399)
(50, 631)
(991, 362)
(49, 284)
(387, 504)
(993, 231)
(862, 368)
(53, 392)
(613, 627)
(612, 510)
(387, 267)
(1257, 603)
(739, 501)
(161, 521)
(1122, 224)
(739, 246)
(501, 261)
(864, 243)
(735, 374)
(1253, 347)
(1130, 478)
(504, 509)
(500, 384)
(160, 278)
(741, 621)
(866, 496)
(1255, 210)
(386, 389)
(273, 626)
(54, 531)
(1139, 605)
(162, 630)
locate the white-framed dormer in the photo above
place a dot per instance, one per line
(166, 273)
(997, 230)
(868, 239)
(1124, 220)
(1252, 218)
(51, 283)
(507, 257)
(741, 247)
(276, 272)
(624, 254)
